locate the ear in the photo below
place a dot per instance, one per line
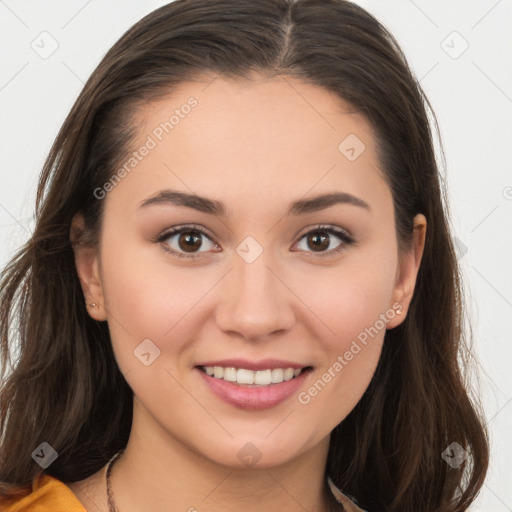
(88, 270)
(408, 271)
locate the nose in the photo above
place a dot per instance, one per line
(256, 300)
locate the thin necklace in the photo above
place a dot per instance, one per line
(110, 495)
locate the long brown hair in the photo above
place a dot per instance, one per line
(64, 386)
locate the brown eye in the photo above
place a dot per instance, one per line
(186, 242)
(189, 241)
(320, 241)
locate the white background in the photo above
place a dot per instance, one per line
(471, 95)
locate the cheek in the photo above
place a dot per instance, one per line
(351, 297)
(353, 304)
(148, 298)
(144, 293)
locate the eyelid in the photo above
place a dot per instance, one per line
(331, 228)
(344, 235)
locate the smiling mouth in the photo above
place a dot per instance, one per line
(251, 378)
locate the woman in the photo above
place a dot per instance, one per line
(241, 289)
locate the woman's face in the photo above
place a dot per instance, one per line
(255, 280)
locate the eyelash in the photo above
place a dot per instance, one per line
(341, 234)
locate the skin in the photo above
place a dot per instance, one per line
(256, 145)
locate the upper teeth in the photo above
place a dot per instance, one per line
(260, 377)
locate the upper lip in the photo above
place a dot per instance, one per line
(263, 364)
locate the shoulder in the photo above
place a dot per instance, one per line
(348, 504)
(48, 495)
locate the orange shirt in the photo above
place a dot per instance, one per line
(48, 495)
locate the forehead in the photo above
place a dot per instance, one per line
(234, 138)
(283, 107)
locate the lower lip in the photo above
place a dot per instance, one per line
(253, 398)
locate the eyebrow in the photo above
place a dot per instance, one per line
(217, 208)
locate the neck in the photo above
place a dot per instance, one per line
(157, 472)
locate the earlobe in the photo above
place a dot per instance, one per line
(408, 270)
(87, 267)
